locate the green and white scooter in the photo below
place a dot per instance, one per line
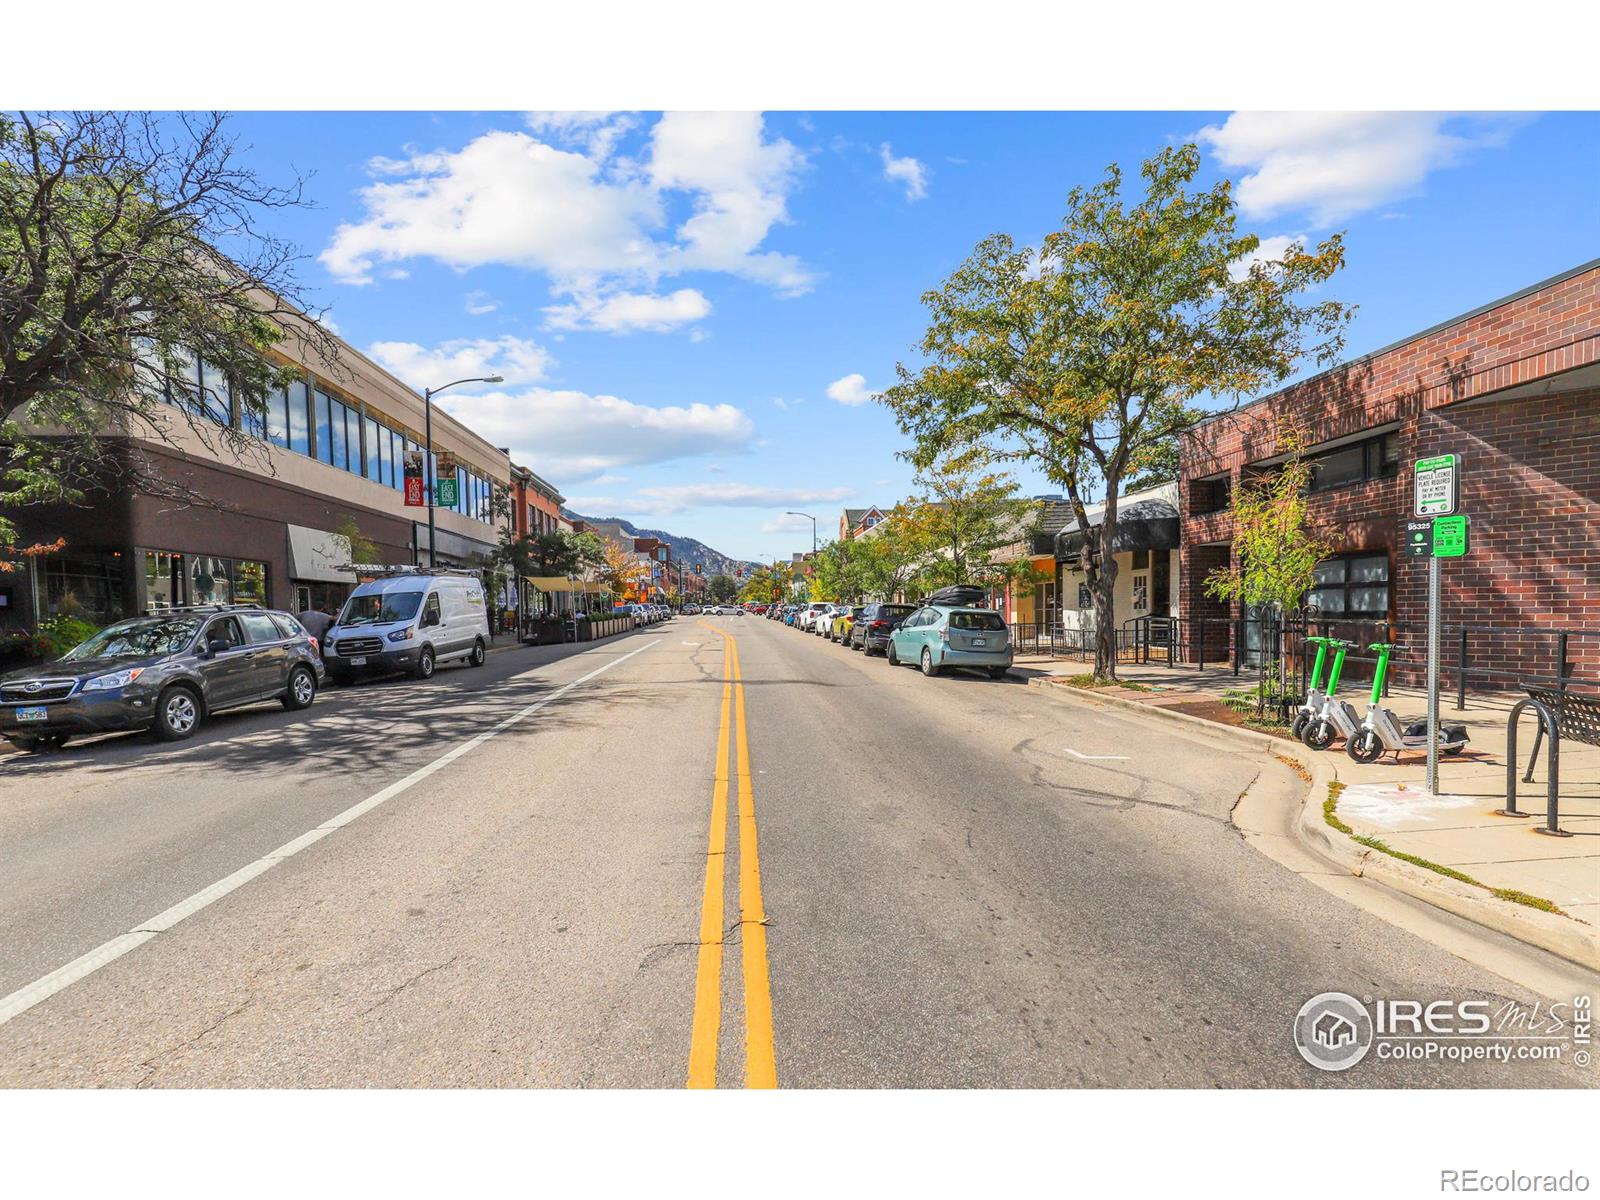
(1313, 702)
(1336, 718)
(1380, 733)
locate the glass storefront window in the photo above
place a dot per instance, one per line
(1354, 586)
(163, 580)
(324, 428)
(208, 580)
(299, 430)
(278, 418)
(249, 581)
(338, 446)
(216, 394)
(374, 450)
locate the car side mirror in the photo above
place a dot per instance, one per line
(216, 646)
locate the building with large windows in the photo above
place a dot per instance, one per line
(287, 521)
(1511, 388)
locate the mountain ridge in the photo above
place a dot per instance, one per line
(685, 549)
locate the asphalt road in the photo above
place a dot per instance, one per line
(960, 883)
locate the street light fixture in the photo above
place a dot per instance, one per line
(813, 521)
(427, 420)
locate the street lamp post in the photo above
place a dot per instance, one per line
(813, 521)
(427, 433)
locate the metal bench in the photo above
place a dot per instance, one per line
(1562, 714)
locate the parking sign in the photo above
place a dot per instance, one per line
(1434, 485)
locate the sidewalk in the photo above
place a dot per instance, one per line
(1385, 800)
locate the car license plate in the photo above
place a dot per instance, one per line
(358, 660)
(980, 641)
(32, 714)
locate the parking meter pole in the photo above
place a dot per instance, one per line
(1433, 676)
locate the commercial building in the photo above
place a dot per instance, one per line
(535, 503)
(275, 522)
(1513, 390)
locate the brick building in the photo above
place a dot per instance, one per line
(1513, 388)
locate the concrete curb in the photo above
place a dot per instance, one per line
(1562, 936)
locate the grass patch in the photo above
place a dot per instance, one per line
(1512, 895)
(1089, 681)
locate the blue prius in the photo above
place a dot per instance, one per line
(937, 636)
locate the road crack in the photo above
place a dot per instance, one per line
(397, 989)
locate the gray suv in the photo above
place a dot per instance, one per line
(164, 672)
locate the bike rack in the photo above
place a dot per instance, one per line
(1547, 725)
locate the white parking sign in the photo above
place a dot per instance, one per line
(1434, 486)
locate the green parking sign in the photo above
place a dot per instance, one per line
(1449, 537)
(1434, 484)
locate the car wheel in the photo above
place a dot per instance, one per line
(302, 689)
(928, 667)
(1364, 747)
(1318, 735)
(178, 714)
(424, 667)
(479, 655)
(894, 659)
(26, 744)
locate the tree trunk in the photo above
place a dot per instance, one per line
(1105, 609)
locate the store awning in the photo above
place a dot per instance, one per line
(317, 556)
(560, 583)
(1145, 524)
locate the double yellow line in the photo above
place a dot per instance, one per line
(761, 1069)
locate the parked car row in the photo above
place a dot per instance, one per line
(167, 672)
(643, 614)
(947, 630)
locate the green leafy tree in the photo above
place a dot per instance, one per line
(131, 245)
(1276, 548)
(1089, 359)
(722, 589)
(964, 513)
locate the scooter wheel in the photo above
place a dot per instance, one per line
(1318, 734)
(1297, 728)
(1364, 747)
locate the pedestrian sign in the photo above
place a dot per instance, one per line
(1449, 537)
(1434, 483)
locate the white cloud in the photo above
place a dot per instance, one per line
(786, 524)
(479, 303)
(627, 312)
(597, 132)
(1270, 250)
(1333, 166)
(783, 405)
(519, 360)
(907, 171)
(677, 497)
(851, 390)
(572, 436)
(593, 222)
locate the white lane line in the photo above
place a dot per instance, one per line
(24, 998)
(1095, 757)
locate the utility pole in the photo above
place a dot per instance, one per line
(429, 475)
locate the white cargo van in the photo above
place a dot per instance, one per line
(410, 621)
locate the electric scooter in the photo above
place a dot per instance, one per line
(1337, 718)
(1313, 702)
(1380, 733)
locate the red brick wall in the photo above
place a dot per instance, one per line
(1531, 472)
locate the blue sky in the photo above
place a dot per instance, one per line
(680, 303)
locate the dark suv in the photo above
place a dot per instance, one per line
(876, 622)
(165, 672)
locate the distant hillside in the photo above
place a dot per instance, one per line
(684, 549)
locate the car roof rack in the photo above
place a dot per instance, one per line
(201, 608)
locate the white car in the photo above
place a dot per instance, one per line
(808, 615)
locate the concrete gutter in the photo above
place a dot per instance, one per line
(1562, 936)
